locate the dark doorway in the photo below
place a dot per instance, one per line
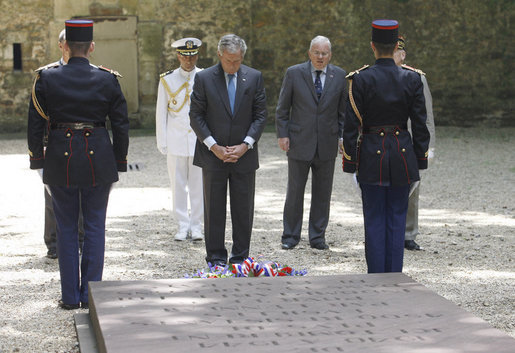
(17, 57)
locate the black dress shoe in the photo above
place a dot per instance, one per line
(411, 245)
(68, 306)
(287, 246)
(320, 246)
(218, 263)
(84, 305)
(51, 253)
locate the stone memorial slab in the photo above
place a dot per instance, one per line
(387, 313)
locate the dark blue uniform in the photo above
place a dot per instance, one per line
(387, 159)
(80, 162)
(50, 233)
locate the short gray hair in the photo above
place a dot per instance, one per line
(232, 44)
(62, 36)
(320, 39)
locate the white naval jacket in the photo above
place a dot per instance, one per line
(173, 132)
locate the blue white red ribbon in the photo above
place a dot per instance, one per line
(248, 268)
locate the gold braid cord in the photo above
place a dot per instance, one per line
(354, 107)
(347, 157)
(174, 94)
(35, 101)
(356, 111)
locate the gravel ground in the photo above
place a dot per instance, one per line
(466, 218)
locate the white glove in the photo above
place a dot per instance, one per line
(162, 149)
(356, 184)
(40, 172)
(413, 186)
(431, 153)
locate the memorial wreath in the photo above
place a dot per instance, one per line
(248, 268)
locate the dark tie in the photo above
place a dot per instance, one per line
(318, 84)
(231, 90)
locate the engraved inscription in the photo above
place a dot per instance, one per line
(309, 314)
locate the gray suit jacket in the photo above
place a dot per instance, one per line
(430, 121)
(311, 124)
(210, 115)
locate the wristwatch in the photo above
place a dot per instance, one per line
(249, 146)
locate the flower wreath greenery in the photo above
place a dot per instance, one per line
(248, 268)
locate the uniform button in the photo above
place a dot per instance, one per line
(403, 150)
(397, 132)
(91, 152)
(87, 134)
(65, 153)
(381, 134)
(68, 135)
(378, 152)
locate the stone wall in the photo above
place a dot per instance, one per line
(464, 46)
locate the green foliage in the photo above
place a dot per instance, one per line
(464, 46)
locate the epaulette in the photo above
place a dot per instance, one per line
(49, 66)
(420, 72)
(116, 73)
(166, 73)
(357, 71)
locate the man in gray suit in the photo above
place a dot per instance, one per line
(412, 216)
(228, 114)
(309, 122)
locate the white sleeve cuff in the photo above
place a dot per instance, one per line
(209, 142)
(249, 140)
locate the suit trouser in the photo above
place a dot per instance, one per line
(50, 233)
(412, 217)
(321, 189)
(384, 212)
(67, 202)
(186, 180)
(241, 191)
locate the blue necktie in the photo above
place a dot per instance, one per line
(231, 90)
(318, 84)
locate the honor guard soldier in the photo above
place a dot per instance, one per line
(379, 148)
(50, 232)
(176, 139)
(80, 163)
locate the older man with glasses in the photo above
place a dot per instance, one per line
(309, 122)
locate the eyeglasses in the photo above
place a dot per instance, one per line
(320, 53)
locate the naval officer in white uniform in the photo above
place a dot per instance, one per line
(176, 139)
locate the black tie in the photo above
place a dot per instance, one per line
(318, 84)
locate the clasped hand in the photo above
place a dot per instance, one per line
(229, 154)
(284, 143)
